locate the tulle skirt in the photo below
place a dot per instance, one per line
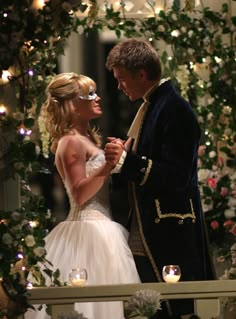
(99, 246)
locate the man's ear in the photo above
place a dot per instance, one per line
(143, 74)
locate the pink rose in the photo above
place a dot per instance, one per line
(224, 191)
(212, 182)
(228, 224)
(214, 224)
(233, 230)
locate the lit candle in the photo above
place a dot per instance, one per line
(78, 282)
(171, 278)
(171, 273)
(78, 277)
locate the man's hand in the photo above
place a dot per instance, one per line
(113, 150)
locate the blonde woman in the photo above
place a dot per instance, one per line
(88, 238)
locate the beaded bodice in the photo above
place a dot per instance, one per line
(97, 207)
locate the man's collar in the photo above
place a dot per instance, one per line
(153, 88)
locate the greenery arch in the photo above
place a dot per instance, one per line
(198, 54)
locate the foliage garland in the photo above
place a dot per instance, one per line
(198, 54)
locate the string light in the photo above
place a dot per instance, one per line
(33, 223)
(5, 76)
(38, 4)
(30, 72)
(175, 33)
(24, 131)
(20, 256)
(3, 109)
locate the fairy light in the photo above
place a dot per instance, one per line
(5, 15)
(3, 109)
(5, 75)
(175, 33)
(218, 60)
(20, 256)
(191, 65)
(30, 72)
(38, 4)
(33, 223)
(24, 131)
(158, 9)
(208, 143)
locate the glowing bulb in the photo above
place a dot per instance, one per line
(175, 33)
(5, 76)
(218, 60)
(33, 223)
(38, 4)
(3, 109)
(31, 72)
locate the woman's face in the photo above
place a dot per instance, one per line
(88, 106)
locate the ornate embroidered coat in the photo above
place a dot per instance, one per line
(164, 195)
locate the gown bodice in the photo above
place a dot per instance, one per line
(98, 206)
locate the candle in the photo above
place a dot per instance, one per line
(171, 278)
(78, 277)
(78, 282)
(171, 273)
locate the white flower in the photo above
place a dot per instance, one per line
(209, 116)
(232, 201)
(212, 154)
(48, 214)
(174, 16)
(143, 303)
(39, 251)
(182, 76)
(7, 239)
(190, 33)
(203, 174)
(29, 240)
(229, 213)
(227, 109)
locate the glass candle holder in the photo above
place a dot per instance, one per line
(171, 273)
(78, 277)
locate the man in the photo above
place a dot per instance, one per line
(160, 164)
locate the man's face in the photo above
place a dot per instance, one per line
(130, 83)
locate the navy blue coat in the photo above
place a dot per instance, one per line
(165, 196)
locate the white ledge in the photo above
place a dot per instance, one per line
(180, 290)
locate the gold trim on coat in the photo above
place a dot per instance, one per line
(181, 217)
(147, 172)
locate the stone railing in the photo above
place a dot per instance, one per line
(205, 293)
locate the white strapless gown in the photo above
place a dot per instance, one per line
(88, 238)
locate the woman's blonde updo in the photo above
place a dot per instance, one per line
(59, 111)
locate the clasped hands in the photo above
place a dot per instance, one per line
(113, 150)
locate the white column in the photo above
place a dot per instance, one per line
(71, 61)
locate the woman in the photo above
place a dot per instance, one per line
(88, 238)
